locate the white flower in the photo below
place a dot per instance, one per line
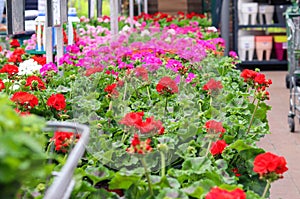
(126, 28)
(168, 39)
(171, 31)
(212, 28)
(145, 33)
(15, 86)
(28, 67)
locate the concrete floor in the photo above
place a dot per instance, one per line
(282, 142)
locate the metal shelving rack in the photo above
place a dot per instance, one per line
(237, 27)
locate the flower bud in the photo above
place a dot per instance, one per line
(34, 84)
(23, 82)
(162, 147)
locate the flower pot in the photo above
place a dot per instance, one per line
(263, 44)
(266, 14)
(246, 46)
(248, 13)
(280, 45)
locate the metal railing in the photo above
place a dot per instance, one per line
(63, 183)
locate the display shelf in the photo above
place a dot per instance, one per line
(237, 27)
(265, 62)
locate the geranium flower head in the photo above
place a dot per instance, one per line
(14, 43)
(26, 100)
(10, 69)
(150, 125)
(212, 84)
(248, 75)
(218, 147)
(213, 126)
(39, 83)
(218, 193)
(48, 67)
(63, 140)
(2, 85)
(57, 101)
(111, 89)
(41, 60)
(166, 85)
(130, 119)
(142, 72)
(266, 164)
(139, 147)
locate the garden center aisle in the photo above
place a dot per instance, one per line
(281, 141)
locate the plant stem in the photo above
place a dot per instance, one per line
(252, 117)
(163, 164)
(166, 105)
(266, 189)
(148, 92)
(208, 148)
(147, 175)
(125, 90)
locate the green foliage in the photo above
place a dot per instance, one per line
(22, 153)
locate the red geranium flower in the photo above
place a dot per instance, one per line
(213, 126)
(40, 84)
(57, 101)
(150, 125)
(25, 99)
(218, 193)
(41, 60)
(16, 56)
(93, 70)
(131, 118)
(166, 85)
(266, 163)
(9, 69)
(111, 89)
(14, 43)
(218, 147)
(2, 85)
(248, 75)
(212, 84)
(63, 140)
(141, 72)
(138, 146)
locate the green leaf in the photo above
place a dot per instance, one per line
(120, 181)
(194, 191)
(198, 164)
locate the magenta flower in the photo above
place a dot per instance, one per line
(173, 65)
(190, 77)
(48, 67)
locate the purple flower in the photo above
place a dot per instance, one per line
(173, 64)
(190, 77)
(66, 59)
(177, 79)
(233, 54)
(48, 67)
(73, 49)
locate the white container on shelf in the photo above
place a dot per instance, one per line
(40, 36)
(266, 11)
(72, 18)
(246, 46)
(248, 13)
(239, 5)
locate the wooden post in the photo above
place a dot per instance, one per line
(15, 16)
(139, 7)
(49, 32)
(146, 6)
(131, 10)
(114, 26)
(99, 8)
(225, 23)
(91, 8)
